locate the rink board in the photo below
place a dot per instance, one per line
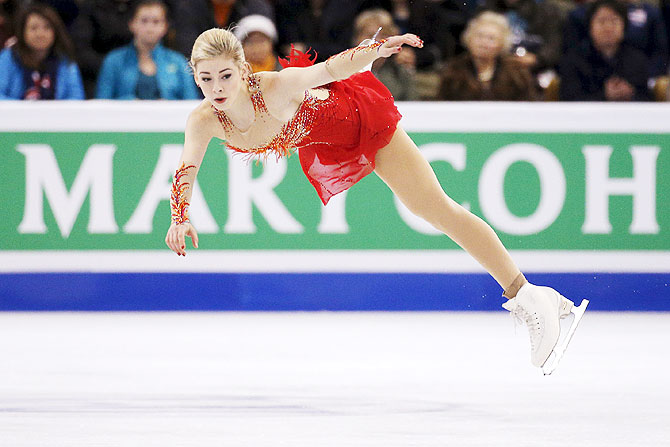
(313, 291)
(578, 192)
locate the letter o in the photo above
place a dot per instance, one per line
(492, 194)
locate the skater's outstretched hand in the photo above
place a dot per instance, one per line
(394, 44)
(176, 237)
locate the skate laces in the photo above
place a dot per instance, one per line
(521, 316)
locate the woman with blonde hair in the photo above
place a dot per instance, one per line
(344, 125)
(486, 71)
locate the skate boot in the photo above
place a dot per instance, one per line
(541, 309)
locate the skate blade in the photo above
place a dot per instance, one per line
(557, 354)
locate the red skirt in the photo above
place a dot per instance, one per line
(357, 120)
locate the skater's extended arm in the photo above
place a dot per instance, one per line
(342, 65)
(196, 140)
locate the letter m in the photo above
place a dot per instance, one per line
(43, 178)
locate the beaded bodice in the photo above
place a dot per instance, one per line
(276, 138)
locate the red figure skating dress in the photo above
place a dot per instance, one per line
(337, 138)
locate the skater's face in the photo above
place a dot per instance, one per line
(221, 80)
(39, 34)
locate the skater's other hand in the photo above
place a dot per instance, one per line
(176, 237)
(394, 44)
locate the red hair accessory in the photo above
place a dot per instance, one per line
(297, 58)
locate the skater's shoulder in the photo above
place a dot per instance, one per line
(203, 120)
(202, 115)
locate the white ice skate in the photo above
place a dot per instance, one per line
(542, 308)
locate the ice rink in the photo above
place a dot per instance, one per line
(328, 379)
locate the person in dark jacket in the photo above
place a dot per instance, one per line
(438, 22)
(100, 27)
(604, 67)
(646, 30)
(192, 17)
(486, 71)
(325, 25)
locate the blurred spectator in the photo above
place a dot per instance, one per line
(258, 36)
(604, 67)
(7, 11)
(66, 9)
(102, 25)
(645, 30)
(437, 22)
(192, 17)
(400, 11)
(486, 71)
(396, 72)
(145, 69)
(327, 26)
(40, 65)
(536, 31)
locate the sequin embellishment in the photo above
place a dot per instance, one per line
(291, 135)
(178, 203)
(256, 100)
(256, 95)
(352, 51)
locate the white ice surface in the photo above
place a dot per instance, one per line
(327, 379)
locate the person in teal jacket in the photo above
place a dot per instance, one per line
(40, 64)
(145, 69)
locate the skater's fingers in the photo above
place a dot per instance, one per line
(181, 240)
(407, 39)
(174, 241)
(169, 240)
(393, 45)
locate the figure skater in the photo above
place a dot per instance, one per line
(344, 125)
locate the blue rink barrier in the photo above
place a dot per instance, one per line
(312, 292)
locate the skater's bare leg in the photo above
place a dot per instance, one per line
(411, 178)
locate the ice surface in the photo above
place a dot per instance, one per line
(327, 379)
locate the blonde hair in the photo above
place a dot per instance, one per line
(217, 42)
(489, 18)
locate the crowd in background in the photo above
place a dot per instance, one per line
(509, 50)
